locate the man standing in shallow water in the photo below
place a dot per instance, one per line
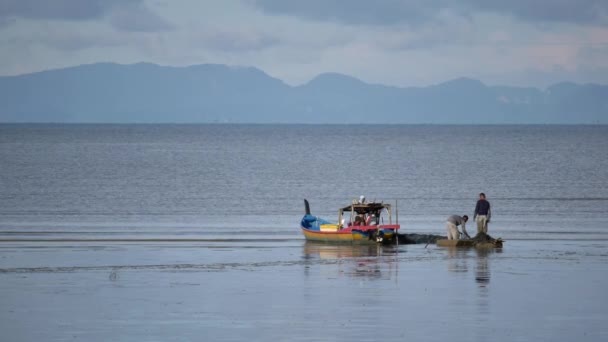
(482, 214)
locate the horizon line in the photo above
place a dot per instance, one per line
(291, 124)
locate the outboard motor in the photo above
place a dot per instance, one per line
(307, 207)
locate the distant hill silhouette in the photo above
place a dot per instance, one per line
(148, 93)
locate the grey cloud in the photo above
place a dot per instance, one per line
(382, 12)
(80, 41)
(138, 18)
(593, 55)
(412, 12)
(66, 40)
(128, 15)
(4, 22)
(568, 11)
(232, 41)
(59, 9)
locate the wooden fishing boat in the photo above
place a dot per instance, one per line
(364, 224)
(497, 243)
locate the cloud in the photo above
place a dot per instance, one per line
(416, 12)
(136, 17)
(5, 22)
(382, 12)
(235, 40)
(564, 11)
(397, 42)
(126, 15)
(59, 9)
(71, 41)
(593, 55)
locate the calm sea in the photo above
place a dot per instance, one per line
(544, 182)
(191, 233)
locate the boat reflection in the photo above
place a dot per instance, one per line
(351, 260)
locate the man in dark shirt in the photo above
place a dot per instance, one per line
(482, 214)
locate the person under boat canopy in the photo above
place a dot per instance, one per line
(363, 214)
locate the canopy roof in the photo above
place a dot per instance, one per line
(366, 207)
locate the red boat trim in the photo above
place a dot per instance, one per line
(350, 229)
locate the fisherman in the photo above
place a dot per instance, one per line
(452, 226)
(359, 221)
(482, 214)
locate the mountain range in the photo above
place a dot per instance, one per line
(208, 93)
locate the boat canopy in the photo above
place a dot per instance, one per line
(367, 208)
(371, 208)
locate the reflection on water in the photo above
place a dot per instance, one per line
(328, 251)
(458, 262)
(482, 269)
(356, 261)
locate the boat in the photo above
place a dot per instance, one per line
(477, 243)
(359, 222)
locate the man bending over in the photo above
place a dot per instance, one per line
(452, 225)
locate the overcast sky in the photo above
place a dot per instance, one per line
(396, 42)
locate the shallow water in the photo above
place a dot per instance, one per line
(548, 290)
(190, 232)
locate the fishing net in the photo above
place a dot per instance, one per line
(478, 240)
(483, 237)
